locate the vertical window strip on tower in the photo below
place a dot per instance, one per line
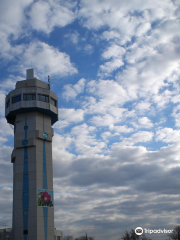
(25, 212)
(25, 194)
(25, 232)
(25, 176)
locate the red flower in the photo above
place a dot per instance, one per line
(45, 197)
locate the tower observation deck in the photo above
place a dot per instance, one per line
(32, 108)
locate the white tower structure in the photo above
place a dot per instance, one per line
(32, 108)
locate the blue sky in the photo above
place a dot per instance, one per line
(115, 66)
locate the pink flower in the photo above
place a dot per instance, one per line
(45, 197)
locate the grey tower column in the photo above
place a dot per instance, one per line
(32, 108)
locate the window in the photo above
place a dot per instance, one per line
(16, 99)
(25, 232)
(53, 102)
(26, 159)
(24, 142)
(25, 212)
(27, 97)
(25, 194)
(43, 98)
(25, 176)
(8, 104)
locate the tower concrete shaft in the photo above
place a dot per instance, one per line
(32, 108)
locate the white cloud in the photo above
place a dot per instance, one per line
(145, 122)
(89, 48)
(2, 139)
(5, 128)
(143, 28)
(162, 99)
(118, 187)
(6, 165)
(9, 83)
(146, 78)
(109, 97)
(115, 36)
(108, 93)
(2, 102)
(12, 15)
(109, 67)
(44, 16)
(105, 98)
(142, 136)
(121, 15)
(60, 149)
(48, 60)
(114, 51)
(85, 140)
(105, 120)
(106, 135)
(71, 91)
(137, 54)
(12, 20)
(143, 106)
(176, 115)
(6, 205)
(120, 129)
(108, 35)
(74, 37)
(150, 58)
(69, 116)
(167, 135)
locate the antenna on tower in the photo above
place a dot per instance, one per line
(49, 81)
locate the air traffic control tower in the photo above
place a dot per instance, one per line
(32, 108)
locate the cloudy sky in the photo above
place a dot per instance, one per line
(115, 66)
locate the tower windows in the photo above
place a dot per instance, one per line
(25, 194)
(25, 212)
(27, 97)
(7, 103)
(25, 232)
(25, 176)
(53, 102)
(16, 99)
(24, 142)
(43, 98)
